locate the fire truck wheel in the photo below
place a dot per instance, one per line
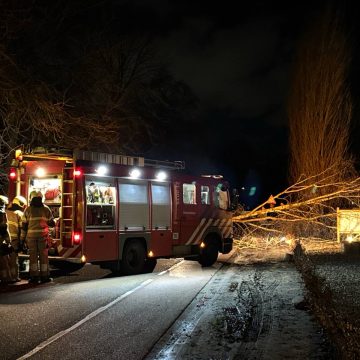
(150, 265)
(209, 254)
(133, 260)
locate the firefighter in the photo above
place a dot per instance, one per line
(35, 231)
(14, 215)
(94, 194)
(223, 197)
(5, 247)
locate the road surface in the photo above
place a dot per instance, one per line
(185, 312)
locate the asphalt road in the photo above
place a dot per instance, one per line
(181, 311)
(108, 318)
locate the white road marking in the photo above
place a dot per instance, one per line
(92, 315)
(83, 321)
(172, 268)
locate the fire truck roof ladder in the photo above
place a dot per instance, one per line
(68, 155)
(126, 160)
(39, 153)
(108, 158)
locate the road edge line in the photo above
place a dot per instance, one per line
(172, 268)
(96, 312)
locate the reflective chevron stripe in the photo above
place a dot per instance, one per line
(195, 232)
(224, 226)
(72, 252)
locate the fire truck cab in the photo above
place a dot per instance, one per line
(123, 212)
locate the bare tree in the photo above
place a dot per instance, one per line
(126, 82)
(30, 114)
(103, 74)
(320, 103)
(111, 96)
(322, 172)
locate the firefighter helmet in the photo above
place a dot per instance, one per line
(35, 193)
(19, 200)
(3, 200)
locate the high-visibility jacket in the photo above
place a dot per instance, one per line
(14, 223)
(36, 221)
(223, 200)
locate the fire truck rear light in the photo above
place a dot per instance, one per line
(12, 174)
(76, 238)
(77, 172)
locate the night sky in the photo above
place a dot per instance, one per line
(236, 59)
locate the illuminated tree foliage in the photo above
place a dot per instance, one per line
(320, 104)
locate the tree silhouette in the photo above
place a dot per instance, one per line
(322, 174)
(105, 93)
(320, 103)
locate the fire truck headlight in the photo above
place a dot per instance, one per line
(101, 170)
(202, 245)
(83, 259)
(40, 172)
(349, 239)
(135, 173)
(150, 254)
(161, 175)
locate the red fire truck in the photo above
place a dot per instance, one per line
(123, 212)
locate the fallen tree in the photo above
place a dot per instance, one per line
(305, 209)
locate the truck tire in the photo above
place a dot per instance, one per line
(209, 254)
(133, 259)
